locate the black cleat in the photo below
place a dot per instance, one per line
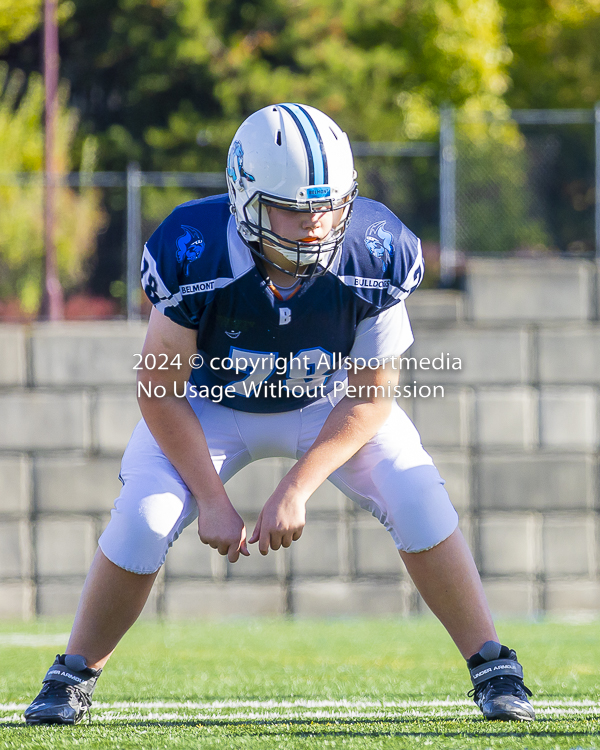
(498, 687)
(67, 693)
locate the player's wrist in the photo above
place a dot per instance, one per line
(294, 486)
(211, 498)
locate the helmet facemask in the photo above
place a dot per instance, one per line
(310, 259)
(294, 158)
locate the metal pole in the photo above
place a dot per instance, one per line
(447, 197)
(597, 193)
(134, 240)
(52, 303)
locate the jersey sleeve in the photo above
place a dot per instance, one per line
(409, 273)
(161, 276)
(388, 334)
(382, 259)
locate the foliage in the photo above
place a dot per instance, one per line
(166, 83)
(556, 64)
(393, 64)
(380, 68)
(19, 19)
(556, 55)
(152, 78)
(21, 217)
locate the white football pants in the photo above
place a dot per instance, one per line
(391, 476)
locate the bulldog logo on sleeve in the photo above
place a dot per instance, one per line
(379, 243)
(189, 247)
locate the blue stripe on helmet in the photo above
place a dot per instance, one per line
(315, 129)
(315, 151)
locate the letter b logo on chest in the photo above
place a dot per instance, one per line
(285, 316)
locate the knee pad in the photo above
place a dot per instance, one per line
(141, 530)
(419, 513)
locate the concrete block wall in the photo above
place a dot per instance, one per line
(521, 418)
(516, 437)
(67, 407)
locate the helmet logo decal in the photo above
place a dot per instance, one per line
(379, 243)
(236, 158)
(189, 247)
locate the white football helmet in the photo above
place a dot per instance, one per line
(292, 157)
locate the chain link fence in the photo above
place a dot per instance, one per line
(132, 204)
(526, 184)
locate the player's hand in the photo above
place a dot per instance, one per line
(222, 528)
(281, 520)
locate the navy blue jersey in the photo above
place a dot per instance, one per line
(257, 352)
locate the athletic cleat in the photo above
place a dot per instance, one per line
(498, 687)
(67, 693)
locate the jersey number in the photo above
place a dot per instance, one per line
(306, 367)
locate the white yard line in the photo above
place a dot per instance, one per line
(301, 703)
(233, 710)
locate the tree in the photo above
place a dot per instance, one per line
(556, 64)
(167, 82)
(556, 56)
(21, 218)
(381, 68)
(18, 20)
(152, 78)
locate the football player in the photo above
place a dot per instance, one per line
(268, 302)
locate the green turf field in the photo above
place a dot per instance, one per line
(305, 684)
